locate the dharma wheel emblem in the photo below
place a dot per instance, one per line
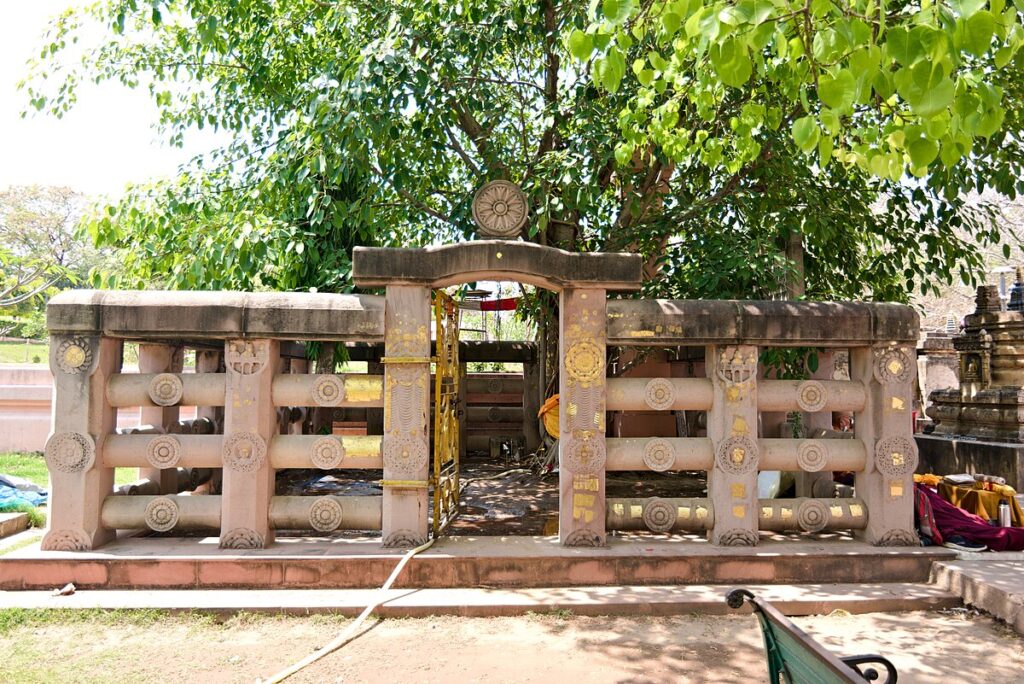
(499, 209)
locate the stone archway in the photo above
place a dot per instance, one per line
(582, 281)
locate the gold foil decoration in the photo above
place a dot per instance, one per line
(895, 366)
(618, 509)
(786, 513)
(896, 489)
(856, 510)
(636, 511)
(74, 356)
(683, 513)
(898, 404)
(739, 426)
(739, 491)
(766, 512)
(836, 511)
(584, 361)
(739, 511)
(702, 513)
(361, 446)
(364, 388)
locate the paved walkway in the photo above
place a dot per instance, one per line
(994, 584)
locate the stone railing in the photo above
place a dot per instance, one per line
(247, 394)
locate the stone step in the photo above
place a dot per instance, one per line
(12, 523)
(995, 585)
(633, 600)
(494, 562)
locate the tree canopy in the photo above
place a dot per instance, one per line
(705, 135)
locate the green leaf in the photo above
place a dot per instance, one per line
(580, 45)
(925, 88)
(805, 133)
(977, 32)
(671, 22)
(838, 91)
(731, 62)
(966, 8)
(923, 152)
(617, 11)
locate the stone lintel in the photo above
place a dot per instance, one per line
(762, 323)
(182, 315)
(525, 262)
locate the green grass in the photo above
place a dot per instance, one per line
(14, 352)
(32, 467)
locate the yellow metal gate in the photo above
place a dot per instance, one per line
(447, 380)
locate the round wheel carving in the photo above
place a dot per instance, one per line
(242, 538)
(70, 452)
(896, 456)
(738, 537)
(659, 515)
(897, 537)
(65, 540)
(406, 455)
(737, 455)
(161, 514)
(165, 389)
(893, 365)
(163, 451)
(500, 209)
(585, 454)
(660, 394)
(244, 452)
(584, 361)
(403, 539)
(811, 396)
(74, 356)
(325, 514)
(811, 455)
(327, 453)
(584, 539)
(328, 390)
(812, 515)
(659, 455)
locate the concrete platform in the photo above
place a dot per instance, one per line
(636, 600)
(994, 585)
(519, 562)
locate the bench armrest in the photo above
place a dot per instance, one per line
(870, 673)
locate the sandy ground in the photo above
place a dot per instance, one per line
(926, 647)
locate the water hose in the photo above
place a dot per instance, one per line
(350, 632)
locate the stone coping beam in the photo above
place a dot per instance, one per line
(670, 322)
(183, 315)
(525, 262)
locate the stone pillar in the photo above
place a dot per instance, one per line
(406, 444)
(581, 451)
(732, 428)
(298, 366)
(212, 361)
(886, 485)
(250, 422)
(531, 404)
(817, 484)
(463, 409)
(160, 358)
(82, 419)
(375, 416)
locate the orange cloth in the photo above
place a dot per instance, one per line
(928, 480)
(981, 502)
(549, 412)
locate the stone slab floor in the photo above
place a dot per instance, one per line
(87, 646)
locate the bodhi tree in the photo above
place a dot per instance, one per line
(745, 148)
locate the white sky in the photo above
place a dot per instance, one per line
(106, 141)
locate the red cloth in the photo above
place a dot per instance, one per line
(955, 521)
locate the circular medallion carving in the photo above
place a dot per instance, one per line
(893, 365)
(328, 390)
(811, 396)
(584, 361)
(74, 356)
(659, 515)
(161, 514)
(584, 539)
(325, 514)
(65, 540)
(406, 455)
(244, 452)
(70, 452)
(812, 515)
(896, 456)
(738, 537)
(404, 539)
(500, 209)
(585, 454)
(660, 394)
(327, 453)
(495, 386)
(811, 455)
(659, 454)
(165, 389)
(737, 455)
(163, 451)
(897, 537)
(241, 538)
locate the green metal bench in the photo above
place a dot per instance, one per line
(795, 658)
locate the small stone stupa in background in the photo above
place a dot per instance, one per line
(979, 427)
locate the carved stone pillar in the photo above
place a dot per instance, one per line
(818, 484)
(250, 422)
(212, 361)
(581, 451)
(406, 446)
(82, 420)
(732, 427)
(160, 358)
(887, 486)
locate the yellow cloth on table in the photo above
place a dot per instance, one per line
(981, 502)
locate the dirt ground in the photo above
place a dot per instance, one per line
(98, 647)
